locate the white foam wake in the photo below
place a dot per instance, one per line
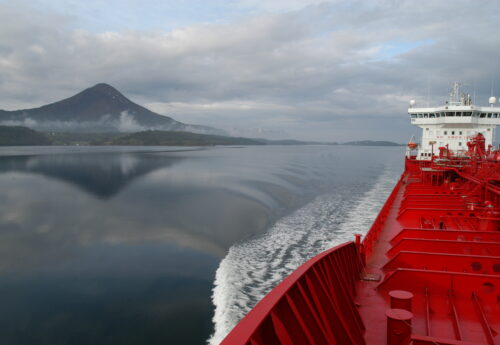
(251, 269)
(364, 211)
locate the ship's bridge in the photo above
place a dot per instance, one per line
(451, 125)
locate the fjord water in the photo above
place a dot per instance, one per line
(169, 245)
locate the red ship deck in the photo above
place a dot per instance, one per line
(434, 247)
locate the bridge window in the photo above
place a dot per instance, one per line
(432, 115)
(449, 113)
(467, 113)
(489, 115)
(426, 115)
(482, 115)
(413, 116)
(420, 116)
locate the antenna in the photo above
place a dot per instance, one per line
(474, 87)
(455, 94)
(428, 91)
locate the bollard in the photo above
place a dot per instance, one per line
(401, 299)
(398, 326)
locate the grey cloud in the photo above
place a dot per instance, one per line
(315, 65)
(125, 123)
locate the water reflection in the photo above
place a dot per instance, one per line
(84, 261)
(102, 174)
(121, 248)
(197, 200)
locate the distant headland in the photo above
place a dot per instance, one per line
(23, 136)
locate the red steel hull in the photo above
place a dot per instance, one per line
(427, 272)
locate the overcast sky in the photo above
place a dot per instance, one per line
(305, 69)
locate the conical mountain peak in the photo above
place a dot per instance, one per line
(97, 108)
(105, 89)
(103, 86)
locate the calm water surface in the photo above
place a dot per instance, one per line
(124, 245)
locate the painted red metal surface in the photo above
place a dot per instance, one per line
(427, 271)
(314, 305)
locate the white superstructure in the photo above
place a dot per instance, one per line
(452, 124)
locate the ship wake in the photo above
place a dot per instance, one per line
(251, 269)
